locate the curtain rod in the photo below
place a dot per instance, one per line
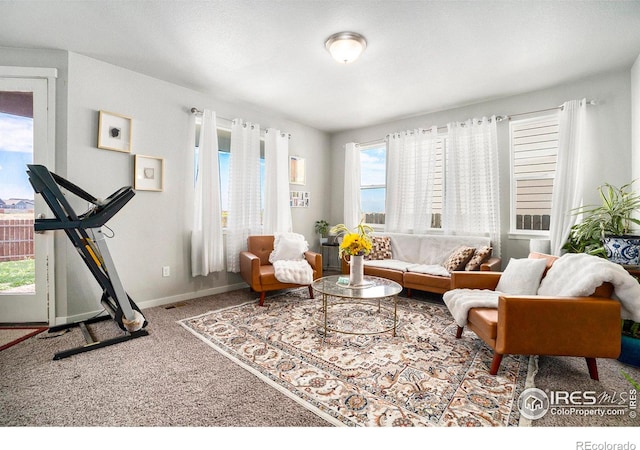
(197, 112)
(498, 119)
(588, 102)
(443, 127)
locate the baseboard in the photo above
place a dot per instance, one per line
(190, 295)
(155, 302)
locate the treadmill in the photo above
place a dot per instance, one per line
(85, 232)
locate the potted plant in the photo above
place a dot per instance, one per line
(605, 232)
(322, 228)
(630, 343)
(604, 229)
(357, 244)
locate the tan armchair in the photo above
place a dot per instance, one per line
(588, 327)
(258, 273)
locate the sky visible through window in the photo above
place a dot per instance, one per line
(373, 163)
(224, 161)
(16, 151)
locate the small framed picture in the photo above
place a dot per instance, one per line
(296, 170)
(114, 132)
(299, 199)
(148, 173)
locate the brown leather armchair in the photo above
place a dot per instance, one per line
(588, 327)
(258, 272)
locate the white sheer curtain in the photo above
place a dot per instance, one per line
(207, 253)
(568, 182)
(244, 190)
(277, 211)
(472, 202)
(411, 160)
(352, 214)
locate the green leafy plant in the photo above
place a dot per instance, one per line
(631, 328)
(356, 242)
(322, 227)
(613, 217)
(633, 382)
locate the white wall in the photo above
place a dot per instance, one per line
(610, 159)
(151, 230)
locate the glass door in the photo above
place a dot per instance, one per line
(24, 255)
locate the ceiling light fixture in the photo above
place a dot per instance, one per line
(346, 46)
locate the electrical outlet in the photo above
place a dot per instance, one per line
(166, 271)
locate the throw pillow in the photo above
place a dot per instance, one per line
(459, 258)
(522, 276)
(380, 248)
(288, 246)
(479, 256)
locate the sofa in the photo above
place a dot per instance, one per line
(540, 324)
(425, 262)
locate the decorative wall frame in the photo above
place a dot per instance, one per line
(148, 173)
(114, 132)
(296, 170)
(299, 199)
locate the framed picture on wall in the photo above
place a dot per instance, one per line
(148, 173)
(114, 132)
(296, 170)
(299, 199)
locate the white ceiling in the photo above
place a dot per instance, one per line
(422, 56)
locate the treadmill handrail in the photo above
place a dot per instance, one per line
(101, 214)
(69, 186)
(47, 183)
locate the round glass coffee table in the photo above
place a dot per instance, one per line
(358, 310)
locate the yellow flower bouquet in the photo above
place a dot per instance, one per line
(356, 242)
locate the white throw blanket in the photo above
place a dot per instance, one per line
(460, 301)
(293, 271)
(579, 274)
(573, 274)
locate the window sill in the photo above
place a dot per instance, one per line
(528, 236)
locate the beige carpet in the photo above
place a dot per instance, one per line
(421, 377)
(10, 336)
(171, 379)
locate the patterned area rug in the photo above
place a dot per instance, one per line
(421, 377)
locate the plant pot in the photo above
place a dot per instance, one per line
(630, 351)
(323, 240)
(623, 249)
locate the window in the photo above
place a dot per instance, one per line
(534, 150)
(373, 173)
(438, 186)
(224, 156)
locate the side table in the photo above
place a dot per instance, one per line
(329, 262)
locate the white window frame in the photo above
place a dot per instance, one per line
(444, 142)
(514, 178)
(371, 145)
